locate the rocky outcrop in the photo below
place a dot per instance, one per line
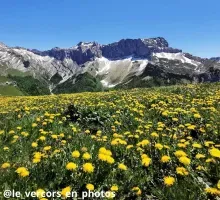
(141, 48)
(80, 54)
(87, 51)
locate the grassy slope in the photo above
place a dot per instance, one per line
(83, 83)
(10, 91)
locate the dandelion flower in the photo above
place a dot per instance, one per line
(86, 156)
(22, 171)
(102, 157)
(218, 184)
(199, 155)
(182, 171)
(114, 188)
(165, 159)
(146, 161)
(215, 152)
(47, 148)
(5, 165)
(88, 167)
(110, 160)
(180, 153)
(75, 154)
(71, 166)
(137, 190)
(66, 191)
(90, 186)
(34, 144)
(212, 191)
(169, 180)
(184, 160)
(159, 146)
(122, 166)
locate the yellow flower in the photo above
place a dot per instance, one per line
(146, 161)
(122, 166)
(137, 190)
(110, 160)
(88, 167)
(159, 146)
(143, 143)
(38, 155)
(180, 153)
(212, 191)
(102, 157)
(66, 191)
(40, 193)
(42, 138)
(47, 148)
(90, 186)
(218, 184)
(209, 160)
(11, 132)
(175, 119)
(86, 156)
(165, 113)
(36, 160)
(184, 160)
(108, 152)
(54, 136)
(34, 125)
(182, 171)
(197, 115)
(114, 188)
(215, 152)
(87, 131)
(196, 145)
(169, 180)
(71, 166)
(207, 143)
(102, 150)
(200, 168)
(5, 165)
(22, 171)
(154, 134)
(199, 155)
(165, 159)
(75, 154)
(129, 146)
(191, 127)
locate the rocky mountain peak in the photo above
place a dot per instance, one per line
(158, 41)
(2, 45)
(87, 51)
(87, 44)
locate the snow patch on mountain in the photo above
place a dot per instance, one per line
(114, 72)
(176, 56)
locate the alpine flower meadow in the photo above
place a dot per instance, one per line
(155, 143)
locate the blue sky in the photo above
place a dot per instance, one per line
(192, 25)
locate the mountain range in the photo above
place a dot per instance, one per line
(90, 66)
